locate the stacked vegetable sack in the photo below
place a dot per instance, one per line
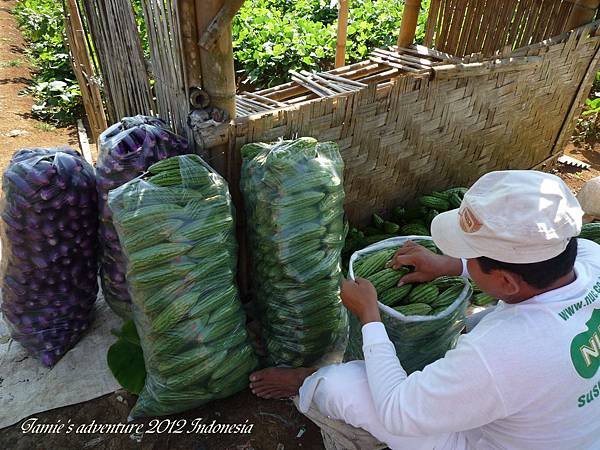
(126, 150)
(591, 231)
(176, 227)
(49, 250)
(423, 320)
(293, 192)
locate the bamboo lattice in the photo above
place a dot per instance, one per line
(462, 27)
(162, 24)
(117, 43)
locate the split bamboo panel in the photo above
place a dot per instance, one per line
(462, 27)
(167, 55)
(117, 45)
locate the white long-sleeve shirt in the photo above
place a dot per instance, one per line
(525, 378)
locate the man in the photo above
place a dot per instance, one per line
(526, 377)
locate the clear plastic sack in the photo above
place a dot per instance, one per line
(49, 249)
(126, 150)
(294, 199)
(176, 225)
(419, 340)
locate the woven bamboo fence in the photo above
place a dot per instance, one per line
(415, 131)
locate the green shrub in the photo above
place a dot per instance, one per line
(273, 36)
(54, 87)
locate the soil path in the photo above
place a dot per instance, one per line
(17, 128)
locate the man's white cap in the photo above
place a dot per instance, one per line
(513, 216)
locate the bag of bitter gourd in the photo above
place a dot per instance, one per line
(176, 227)
(423, 320)
(294, 195)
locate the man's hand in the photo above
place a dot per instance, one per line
(428, 265)
(360, 297)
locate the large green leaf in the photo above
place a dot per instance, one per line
(126, 360)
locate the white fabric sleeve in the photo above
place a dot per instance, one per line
(455, 393)
(465, 270)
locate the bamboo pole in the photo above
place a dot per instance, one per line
(84, 71)
(408, 26)
(216, 64)
(583, 12)
(218, 75)
(342, 33)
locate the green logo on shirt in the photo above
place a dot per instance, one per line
(585, 348)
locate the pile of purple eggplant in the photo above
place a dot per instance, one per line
(50, 242)
(126, 150)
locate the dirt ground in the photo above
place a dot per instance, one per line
(276, 424)
(575, 177)
(17, 128)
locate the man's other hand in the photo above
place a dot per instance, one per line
(360, 297)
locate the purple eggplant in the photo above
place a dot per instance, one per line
(49, 199)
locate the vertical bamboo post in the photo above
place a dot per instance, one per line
(84, 72)
(218, 75)
(583, 12)
(408, 26)
(342, 33)
(216, 66)
(218, 81)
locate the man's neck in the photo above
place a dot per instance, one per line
(529, 291)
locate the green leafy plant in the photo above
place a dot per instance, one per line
(126, 359)
(272, 37)
(57, 94)
(587, 128)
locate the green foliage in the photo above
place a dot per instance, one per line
(55, 89)
(126, 359)
(273, 36)
(587, 129)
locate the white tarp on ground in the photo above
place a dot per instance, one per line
(27, 387)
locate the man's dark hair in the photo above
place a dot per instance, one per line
(541, 274)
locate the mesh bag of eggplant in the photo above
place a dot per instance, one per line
(126, 150)
(49, 250)
(422, 320)
(176, 225)
(294, 195)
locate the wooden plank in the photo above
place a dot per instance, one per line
(348, 81)
(430, 52)
(84, 143)
(431, 25)
(417, 63)
(311, 85)
(84, 70)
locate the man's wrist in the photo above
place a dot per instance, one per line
(454, 266)
(370, 315)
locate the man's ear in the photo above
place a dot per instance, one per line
(510, 283)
